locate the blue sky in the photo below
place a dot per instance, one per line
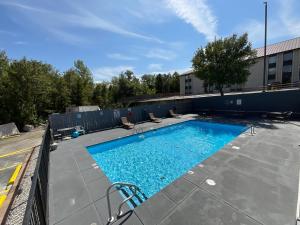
(146, 36)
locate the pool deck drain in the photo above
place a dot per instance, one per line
(258, 184)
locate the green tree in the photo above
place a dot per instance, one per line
(79, 82)
(175, 85)
(159, 83)
(27, 88)
(148, 84)
(126, 85)
(59, 94)
(224, 62)
(4, 67)
(101, 95)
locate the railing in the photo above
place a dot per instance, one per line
(134, 189)
(37, 203)
(137, 130)
(231, 90)
(273, 87)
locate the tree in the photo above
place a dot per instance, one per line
(4, 67)
(148, 84)
(26, 90)
(101, 95)
(30, 90)
(175, 83)
(59, 94)
(224, 62)
(126, 85)
(79, 82)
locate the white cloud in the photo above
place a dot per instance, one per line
(5, 32)
(68, 37)
(256, 31)
(105, 73)
(155, 66)
(89, 20)
(53, 20)
(161, 54)
(289, 18)
(171, 71)
(197, 13)
(148, 11)
(119, 56)
(20, 43)
(283, 24)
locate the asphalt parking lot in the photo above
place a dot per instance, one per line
(13, 151)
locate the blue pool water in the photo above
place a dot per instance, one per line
(156, 158)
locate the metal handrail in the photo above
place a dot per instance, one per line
(138, 130)
(133, 189)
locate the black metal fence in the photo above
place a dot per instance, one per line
(37, 205)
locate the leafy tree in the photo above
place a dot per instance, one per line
(80, 85)
(27, 88)
(224, 62)
(4, 67)
(59, 94)
(148, 84)
(126, 85)
(175, 83)
(30, 90)
(101, 96)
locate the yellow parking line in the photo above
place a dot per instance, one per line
(2, 199)
(8, 167)
(16, 152)
(14, 175)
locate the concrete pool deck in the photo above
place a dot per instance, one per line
(256, 182)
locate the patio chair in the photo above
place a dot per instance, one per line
(154, 119)
(280, 115)
(126, 123)
(173, 114)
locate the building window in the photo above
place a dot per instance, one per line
(272, 68)
(188, 85)
(287, 67)
(288, 56)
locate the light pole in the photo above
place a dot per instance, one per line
(265, 46)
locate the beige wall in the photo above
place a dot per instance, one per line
(182, 85)
(197, 85)
(255, 80)
(279, 67)
(296, 65)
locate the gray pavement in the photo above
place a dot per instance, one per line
(256, 183)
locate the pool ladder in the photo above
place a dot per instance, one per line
(133, 188)
(138, 130)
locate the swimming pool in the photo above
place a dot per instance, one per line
(154, 159)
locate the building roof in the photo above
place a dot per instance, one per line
(187, 72)
(271, 49)
(280, 47)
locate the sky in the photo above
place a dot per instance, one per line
(145, 36)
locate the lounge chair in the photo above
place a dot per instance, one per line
(126, 123)
(173, 114)
(280, 115)
(154, 119)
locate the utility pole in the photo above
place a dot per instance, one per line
(265, 47)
